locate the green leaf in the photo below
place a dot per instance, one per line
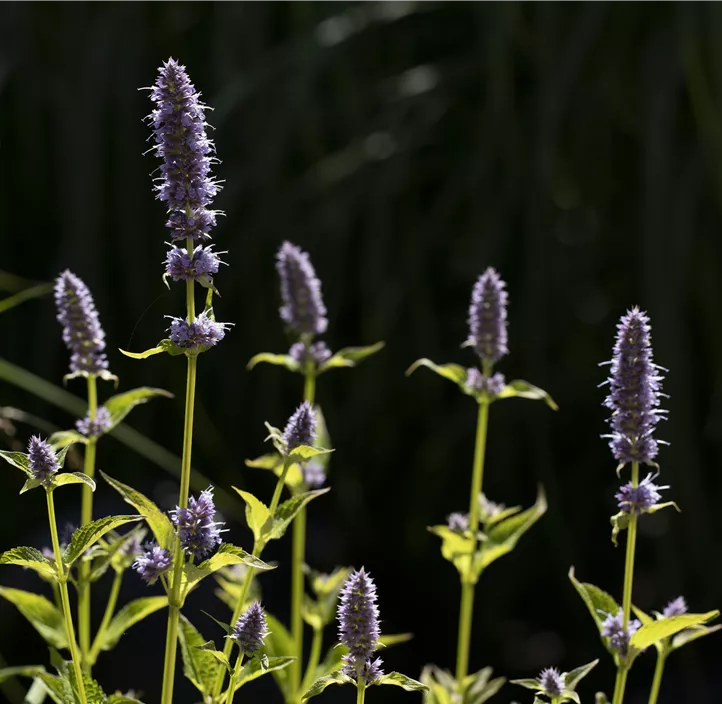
(399, 680)
(691, 634)
(25, 295)
(651, 633)
(122, 699)
(252, 669)
(278, 644)
(66, 478)
(643, 617)
(441, 690)
(63, 438)
(598, 602)
(133, 612)
(350, 357)
(306, 452)
(573, 678)
(17, 459)
(226, 555)
(455, 547)
(452, 372)
(163, 346)
(502, 537)
(7, 673)
(282, 360)
(89, 534)
(523, 389)
(390, 639)
(320, 684)
(274, 462)
(600, 698)
(620, 522)
(257, 513)
(199, 666)
(288, 510)
(31, 483)
(120, 405)
(29, 557)
(666, 504)
(157, 520)
(479, 687)
(44, 616)
(226, 628)
(210, 647)
(528, 683)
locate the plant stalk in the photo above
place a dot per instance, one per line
(109, 610)
(313, 660)
(360, 692)
(232, 682)
(657, 681)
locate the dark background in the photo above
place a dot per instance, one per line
(406, 146)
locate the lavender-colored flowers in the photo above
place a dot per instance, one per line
(153, 563)
(317, 353)
(676, 607)
(301, 427)
(634, 391)
(303, 309)
(358, 618)
(200, 265)
(487, 317)
(458, 522)
(250, 630)
(179, 128)
(477, 382)
(638, 499)
(314, 474)
(551, 681)
(82, 333)
(42, 458)
(613, 628)
(92, 428)
(202, 332)
(198, 532)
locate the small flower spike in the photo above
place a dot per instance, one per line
(612, 628)
(676, 607)
(42, 458)
(476, 382)
(99, 425)
(317, 353)
(200, 266)
(198, 532)
(638, 499)
(487, 317)
(314, 475)
(458, 522)
(153, 563)
(301, 428)
(551, 681)
(202, 332)
(250, 630)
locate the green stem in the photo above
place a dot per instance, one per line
(232, 682)
(620, 684)
(360, 692)
(313, 660)
(468, 582)
(86, 516)
(109, 610)
(65, 598)
(657, 681)
(174, 602)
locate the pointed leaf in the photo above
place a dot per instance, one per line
(598, 602)
(31, 483)
(523, 389)
(89, 534)
(452, 372)
(157, 520)
(306, 452)
(257, 513)
(283, 360)
(210, 647)
(29, 557)
(288, 510)
(133, 612)
(199, 666)
(278, 644)
(528, 683)
(228, 630)
(688, 635)
(664, 628)
(620, 522)
(252, 670)
(17, 459)
(399, 680)
(163, 346)
(666, 504)
(44, 616)
(64, 438)
(120, 405)
(7, 673)
(66, 478)
(455, 547)
(350, 356)
(226, 555)
(320, 684)
(390, 639)
(573, 678)
(482, 687)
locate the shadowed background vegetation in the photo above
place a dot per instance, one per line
(576, 147)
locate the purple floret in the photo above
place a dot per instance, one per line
(458, 522)
(42, 459)
(477, 382)
(551, 681)
(314, 474)
(202, 332)
(301, 427)
(201, 266)
(97, 426)
(612, 628)
(153, 563)
(487, 317)
(676, 607)
(198, 532)
(250, 629)
(638, 499)
(317, 353)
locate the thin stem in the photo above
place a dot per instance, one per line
(466, 612)
(657, 681)
(313, 660)
(360, 692)
(232, 682)
(109, 610)
(620, 684)
(65, 598)
(86, 516)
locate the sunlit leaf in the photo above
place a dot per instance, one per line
(320, 684)
(44, 616)
(67, 478)
(63, 438)
(210, 647)
(452, 372)
(573, 678)
(288, 510)
(257, 513)
(283, 360)
(399, 680)
(29, 557)
(199, 666)
(523, 389)
(692, 634)
(350, 357)
(163, 346)
(651, 633)
(252, 669)
(89, 534)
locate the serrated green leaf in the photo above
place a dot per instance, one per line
(452, 372)
(64, 438)
(210, 647)
(29, 557)
(120, 405)
(66, 478)
(288, 510)
(87, 535)
(132, 613)
(306, 452)
(17, 459)
(257, 513)
(523, 389)
(199, 666)
(44, 616)
(320, 684)
(252, 669)
(282, 360)
(598, 603)
(573, 678)
(58, 688)
(651, 633)
(158, 521)
(226, 628)
(350, 357)
(692, 634)
(399, 680)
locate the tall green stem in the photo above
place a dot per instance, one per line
(234, 676)
(468, 582)
(65, 598)
(313, 660)
(657, 681)
(623, 669)
(174, 602)
(86, 516)
(109, 611)
(360, 692)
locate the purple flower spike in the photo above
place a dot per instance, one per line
(638, 499)
(317, 353)
(179, 129)
(42, 458)
(99, 425)
(371, 671)
(198, 532)
(314, 475)
(201, 266)
(202, 332)
(82, 333)
(301, 427)
(303, 309)
(153, 563)
(634, 392)
(477, 382)
(250, 629)
(676, 607)
(358, 618)
(458, 522)
(551, 681)
(487, 317)
(612, 628)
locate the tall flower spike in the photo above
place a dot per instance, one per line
(42, 458)
(179, 128)
(82, 333)
(358, 618)
(250, 630)
(198, 532)
(303, 309)
(487, 317)
(301, 427)
(153, 563)
(634, 392)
